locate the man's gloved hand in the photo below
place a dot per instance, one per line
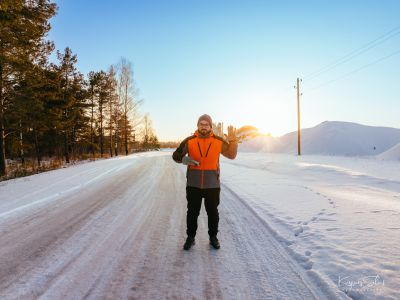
(187, 160)
(231, 137)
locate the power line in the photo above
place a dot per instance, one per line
(372, 44)
(356, 70)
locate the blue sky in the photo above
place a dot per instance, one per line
(238, 60)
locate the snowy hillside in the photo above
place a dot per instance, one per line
(391, 154)
(330, 138)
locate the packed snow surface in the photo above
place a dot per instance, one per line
(309, 227)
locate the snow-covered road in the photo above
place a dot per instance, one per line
(114, 229)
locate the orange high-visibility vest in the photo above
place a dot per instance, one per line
(206, 151)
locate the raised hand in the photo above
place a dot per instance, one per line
(231, 134)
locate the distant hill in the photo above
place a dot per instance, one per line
(330, 138)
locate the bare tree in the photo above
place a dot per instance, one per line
(113, 107)
(130, 103)
(147, 130)
(149, 138)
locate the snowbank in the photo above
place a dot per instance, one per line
(391, 154)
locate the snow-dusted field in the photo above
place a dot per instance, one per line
(338, 216)
(291, 228)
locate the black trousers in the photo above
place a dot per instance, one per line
(194, 198)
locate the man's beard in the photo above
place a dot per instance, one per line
(204, 132)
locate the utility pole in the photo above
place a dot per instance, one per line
(298, 115)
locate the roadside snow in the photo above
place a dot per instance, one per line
(338, 217)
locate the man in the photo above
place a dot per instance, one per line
(203, 149)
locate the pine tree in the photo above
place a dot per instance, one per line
(72, 100)
(23, 24)
(92, 95)
(103, 97)
(29, 109)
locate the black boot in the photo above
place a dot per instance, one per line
(214, 242)
(189, 243)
